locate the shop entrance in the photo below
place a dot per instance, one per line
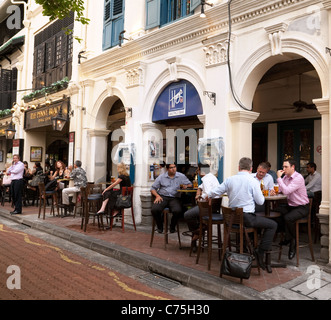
(58, 150)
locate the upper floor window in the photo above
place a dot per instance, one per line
(161, 12)
(53, 53)
(113, 23)
(8, 87)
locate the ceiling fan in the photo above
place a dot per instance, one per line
(299, 105)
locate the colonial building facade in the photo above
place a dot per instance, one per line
(156, 80)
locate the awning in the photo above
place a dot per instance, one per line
(178, 100)
(10, 46)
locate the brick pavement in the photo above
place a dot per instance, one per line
(50, 273)
(139, 241)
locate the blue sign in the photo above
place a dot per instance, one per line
(178, 100)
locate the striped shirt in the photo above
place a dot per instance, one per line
(294, 188)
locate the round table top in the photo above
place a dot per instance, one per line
(276, 197)
(188, 190)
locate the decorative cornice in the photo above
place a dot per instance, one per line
(173, 70)
(322, 105)
(193, 30)
(135, 74)
(327, 4)
(110, 82)
(275, 37)
(243, 116)
(98, 132)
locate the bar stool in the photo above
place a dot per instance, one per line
(166, 212)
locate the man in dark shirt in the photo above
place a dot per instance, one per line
(164, 189)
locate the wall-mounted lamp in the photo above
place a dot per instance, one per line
(211, 96)
(59, 121)
(80, 56)
(10, 131)
(121, 37)
(203, 3)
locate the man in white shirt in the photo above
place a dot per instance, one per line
(313, 181)
(243, 192)
(209, 182)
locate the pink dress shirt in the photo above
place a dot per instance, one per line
(16, 171)
(294, 188)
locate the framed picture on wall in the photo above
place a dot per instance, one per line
(36, 154)
(1, 155)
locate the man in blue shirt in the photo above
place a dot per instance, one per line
(164, 189)
(244, 191)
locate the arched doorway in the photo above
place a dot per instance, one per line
(289, 125)
(57, 150)
(116, 119)
(176, 110)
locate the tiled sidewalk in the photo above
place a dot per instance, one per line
(140, 240)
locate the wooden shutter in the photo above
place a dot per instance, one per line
(117, 21)
(5, 87)
(106, 42)
(194, 4)
(153, 13)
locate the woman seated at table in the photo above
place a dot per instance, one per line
(60, 172)
(110, 195)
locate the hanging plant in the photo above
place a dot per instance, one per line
(54, 87)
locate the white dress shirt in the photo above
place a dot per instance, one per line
(243, 191)
(268, 181)
(209, 182)
(314, 182)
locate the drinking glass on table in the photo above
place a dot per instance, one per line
(276, 188)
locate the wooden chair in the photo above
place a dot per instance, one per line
(43, 196)
(306, 221)
(315, 211)
(234, 223)
(90, 204)
(166, 212)
(125, 191)
(209, 215)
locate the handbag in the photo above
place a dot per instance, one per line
(123, 201)
(36, 180)
(237, 265)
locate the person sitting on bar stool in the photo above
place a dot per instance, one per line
(243, 192)
(164, 189)
(209, 182)
(78, 174)
(292, 185)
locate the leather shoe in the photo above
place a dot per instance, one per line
(292, 250)
(284, 242)
(268, 267)
(172, 230)
(259, 259)
(15, 212)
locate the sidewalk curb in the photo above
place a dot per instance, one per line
(218, 287)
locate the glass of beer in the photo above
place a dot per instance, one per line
(265, 192)
(276, 188)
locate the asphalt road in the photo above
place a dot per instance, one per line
(39, 266)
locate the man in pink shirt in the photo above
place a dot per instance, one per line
(16, 173)
(292, 185)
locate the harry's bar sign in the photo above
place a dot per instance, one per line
(43, 116)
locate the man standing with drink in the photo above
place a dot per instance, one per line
(16, 172)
